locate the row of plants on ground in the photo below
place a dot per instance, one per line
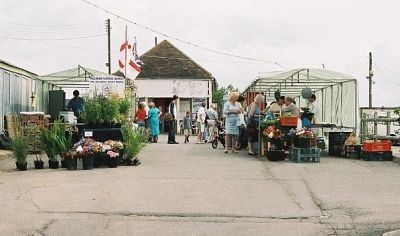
(105, 111)
(57, 144)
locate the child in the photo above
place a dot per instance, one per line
(187, 125)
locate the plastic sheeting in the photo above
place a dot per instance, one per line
(337, 93)
(73, 78)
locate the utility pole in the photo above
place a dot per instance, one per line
(109, 45)
(370, 74)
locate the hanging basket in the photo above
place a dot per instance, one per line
(306, 93)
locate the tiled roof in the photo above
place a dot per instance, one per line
(166, 61)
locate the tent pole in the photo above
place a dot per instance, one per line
(322, 105)
(355, 106)
(341, 104)
(331, 103)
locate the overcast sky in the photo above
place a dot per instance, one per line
(307, 33)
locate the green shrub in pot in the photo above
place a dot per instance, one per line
(20, 150)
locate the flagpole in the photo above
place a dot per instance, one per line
(126, 50)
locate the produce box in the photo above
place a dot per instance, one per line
(302, 142)
(380, 146)
(353, 151)
(377, 156)
(276, 155)
(304, 154)
(289, 121)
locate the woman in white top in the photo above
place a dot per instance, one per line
(201, 117)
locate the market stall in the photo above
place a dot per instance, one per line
(336, 94)
(104, 135)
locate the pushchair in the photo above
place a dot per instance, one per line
(219, 136)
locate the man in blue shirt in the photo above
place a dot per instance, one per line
(76, 104)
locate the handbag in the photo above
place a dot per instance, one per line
(252, 132)
(252, 122)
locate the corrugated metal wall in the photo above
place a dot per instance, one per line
(15, 94)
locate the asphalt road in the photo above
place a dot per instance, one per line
(190, 189)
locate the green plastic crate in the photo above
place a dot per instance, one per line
(304, 154)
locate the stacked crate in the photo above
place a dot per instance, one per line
(336, 141)
(353, 151)
(377, 151)
(311, 154)
(37, 119)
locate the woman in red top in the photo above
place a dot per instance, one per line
(141, 116)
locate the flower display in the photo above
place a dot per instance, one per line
(88, 146)
(272, 132)
(112, 154)
(302, 133)
(116, 146)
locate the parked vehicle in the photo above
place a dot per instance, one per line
(220, 136)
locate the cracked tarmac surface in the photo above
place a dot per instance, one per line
(190, 189)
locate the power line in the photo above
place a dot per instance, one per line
(46, 31)
(53, 39)
(75, 31)
(312, 43)
(204, 60)
(181, 40)
(68, 46)
(50, 25)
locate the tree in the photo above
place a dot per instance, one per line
(218, 95)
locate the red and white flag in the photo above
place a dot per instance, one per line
(129, 56)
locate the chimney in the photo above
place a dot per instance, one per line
(155, 41)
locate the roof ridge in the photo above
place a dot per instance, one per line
(180, 52)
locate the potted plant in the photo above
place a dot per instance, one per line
(20, 149)
(64, 144)
(134, 140)
(47, 138)
(91, 112)
(110, 110)
(32, 132)
(304, 138)
(115, 146)
(86, 148)
(112, 159)
(124, 105)
(71, 160)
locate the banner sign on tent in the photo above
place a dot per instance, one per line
(106, 85)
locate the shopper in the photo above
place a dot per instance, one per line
(172, 123)
(254, 115)
(201, 118)
(242, 138)
(212, 117)
(141, 115)
(290, 108)
(275, 106)
(154, 122)
(204, 135)
(187, 126)
(314, 108)
(76, 104)
(232, 109)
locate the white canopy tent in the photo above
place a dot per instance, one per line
(73, 78)
(337, 93)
